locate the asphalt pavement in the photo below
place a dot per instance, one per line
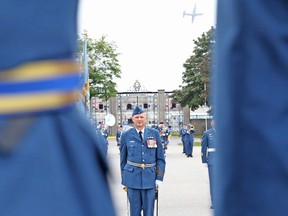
(184, 191)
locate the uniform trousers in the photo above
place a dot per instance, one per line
(211, 181)
(184, 148)
(189, 148)
(141, 199)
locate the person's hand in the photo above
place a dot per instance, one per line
(158, 183)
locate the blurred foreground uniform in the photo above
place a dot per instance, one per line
(50, 158)
(208, 149)
(251, 108)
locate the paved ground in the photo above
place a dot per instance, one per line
(185, 190)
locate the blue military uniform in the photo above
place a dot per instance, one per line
(208, 148)
(50, 159)
(105, 134)
(141, 162)
(183, 132)
(118, 135)
(251, 108)
(166, 137)
(189, 142)
(164, 133)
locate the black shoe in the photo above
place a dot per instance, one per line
(211, 207)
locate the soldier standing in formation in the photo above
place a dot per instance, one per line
(208, 148)
(182, 132)
(189, 140)
(164, 133)
(105, 133)
(142, 163)
(51, 161)
(118, 135)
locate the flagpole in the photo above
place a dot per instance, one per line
(86, 81)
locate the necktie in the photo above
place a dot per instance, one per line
(140, 135)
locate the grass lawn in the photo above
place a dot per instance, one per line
(195, 144)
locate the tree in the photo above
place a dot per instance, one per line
(196, 78)
(103, 65)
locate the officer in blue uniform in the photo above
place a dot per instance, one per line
(50, 159)
(189, 140)
(251, 108)
(142, 164)
(208, 149)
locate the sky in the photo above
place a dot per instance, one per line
(152, 36)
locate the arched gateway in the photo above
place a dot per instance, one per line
(158, 105)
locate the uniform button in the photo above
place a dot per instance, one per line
(142, 152)
(143, 160)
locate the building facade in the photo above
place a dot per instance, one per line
(158, 105)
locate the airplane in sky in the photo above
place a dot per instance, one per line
(193, 14)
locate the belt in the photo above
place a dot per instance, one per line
(143, 166)
(211, 149)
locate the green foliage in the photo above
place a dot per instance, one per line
(196, 78)
(103, 65)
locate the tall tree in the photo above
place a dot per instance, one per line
(196, 79)
(103, 65)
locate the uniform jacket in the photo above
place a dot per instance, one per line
(188, 136)
(55, 165)
(183, 132)
(208, 141)
(132, 149)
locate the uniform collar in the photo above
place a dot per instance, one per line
(141, 130)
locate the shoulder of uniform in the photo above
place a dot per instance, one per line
(125, 132)
(152, 129)
(210, 131)
(130, 129)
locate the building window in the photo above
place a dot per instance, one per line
(173, 105)
(130, 121)
(100, 106)
(129, 106)
(145, 105)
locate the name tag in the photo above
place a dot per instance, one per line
(151, 142)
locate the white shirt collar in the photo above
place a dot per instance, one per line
(141, 130)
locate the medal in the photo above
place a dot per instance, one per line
(151, 142)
